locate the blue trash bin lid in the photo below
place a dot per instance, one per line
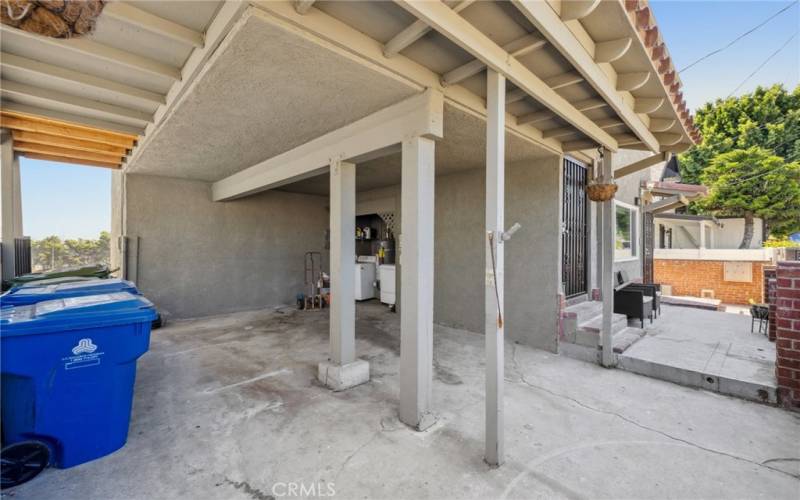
(30, 293)
(71, 313)
(53, 281)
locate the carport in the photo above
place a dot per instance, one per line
(275, 96)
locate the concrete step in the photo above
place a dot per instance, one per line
(618, 322)
(588, 334)
(585, 311)
(591, 348)
(625, 338)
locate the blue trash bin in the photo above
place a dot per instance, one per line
(53, 281)
(32, 293)
(68, 370)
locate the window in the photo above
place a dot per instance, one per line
(625, 233)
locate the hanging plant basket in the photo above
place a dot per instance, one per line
(52, 18)
(600, 191)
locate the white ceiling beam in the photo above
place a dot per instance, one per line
(577, 9)
(625, 140)
(632, 81)
(563, 80)
(44, 97)
(53, 73)
(670, 203)
(154, 24)
(517, 48)
(468, 37)
(578, 145)
(668, 139)
(515, 95)
(538, 116)
(558, 132)
(70, 117)
(640, 165)
(414, 32)
(646, 105)
(303, 6)
(85, 47)
(609, 123)
(606, 52)
(544, 18)
(421, 115)
(661, 124)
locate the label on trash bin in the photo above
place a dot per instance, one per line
(84, 355)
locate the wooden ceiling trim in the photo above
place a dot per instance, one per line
(30, 123)
(66, 142)
(26, 147)
(62, 159)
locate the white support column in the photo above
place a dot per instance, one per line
(10, 204)
(342, 370)
(493, 292)
(416, 293)
(702, 235)
(607, 275)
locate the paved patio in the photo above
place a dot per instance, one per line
(708, 349)
(228, 407)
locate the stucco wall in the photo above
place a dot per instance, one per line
(196, 257)
(532, 256)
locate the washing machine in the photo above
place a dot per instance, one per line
(365, 277)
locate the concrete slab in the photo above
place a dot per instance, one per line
(230, 407)
(707, 349)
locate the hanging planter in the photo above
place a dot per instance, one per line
(599, 190)
(52, 18)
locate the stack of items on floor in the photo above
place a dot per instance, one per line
(69, 352)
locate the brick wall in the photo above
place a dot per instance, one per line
(787, 343)
(770, 289)
(689, 277)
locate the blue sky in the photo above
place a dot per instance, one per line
(75, 201)
(70, 201)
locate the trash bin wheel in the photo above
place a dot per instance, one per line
(21, 462)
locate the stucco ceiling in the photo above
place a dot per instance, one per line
(463, 148)
(267, 91)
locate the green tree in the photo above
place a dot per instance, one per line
(752, 183)
(53, 253)
(768, 118)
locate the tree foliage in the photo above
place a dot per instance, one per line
(758, 132)
(53, 253)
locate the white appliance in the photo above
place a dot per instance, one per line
(387, 276)
(365, 277)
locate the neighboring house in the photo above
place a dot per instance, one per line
(265, 137)
(698, 231)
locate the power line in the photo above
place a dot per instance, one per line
(713, 52)
(764, 63)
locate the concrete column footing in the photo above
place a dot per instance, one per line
(340, 377)
(426, 421)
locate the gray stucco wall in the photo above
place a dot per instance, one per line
(197, 257)
(532, 257)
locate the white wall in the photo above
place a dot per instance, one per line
(728, 236)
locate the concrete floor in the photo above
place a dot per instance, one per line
(228, 407)
(709, 349)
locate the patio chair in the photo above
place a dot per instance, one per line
(652, 290)
(760, 313)
(633, 303)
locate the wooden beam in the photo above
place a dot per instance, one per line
(668, 139)
(100, 86)
(414, 32)
(632, 81)
(670, 203)
(517, 48)
(578, 145)
(538, 116)
(563, 80)
(515, 95)
(62, 159)
(85, 47)
(421, 115)
(646, 105)
(19, 121)
(71, 118)
(27, 147)
(78, 105)
(558, 132)
(640, 165)
(577, 9)
(544, 18)
(606, 52)
(303, 6)
(67, 143)
(609, 123)
(474, 41)
(625, 140)
(154, 24)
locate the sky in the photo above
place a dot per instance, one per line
(75, 201)
(70, 201)
(691, 29)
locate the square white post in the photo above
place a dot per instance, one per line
(416, 293)
(607, 275)
(10, 204)
(493, 291)
(702, 234)
(342, 370)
